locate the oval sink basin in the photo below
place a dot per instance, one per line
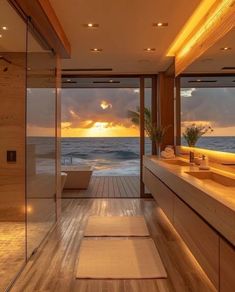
(177, 162)
(213, 176)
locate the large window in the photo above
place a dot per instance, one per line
(210, 106)
(96, 128)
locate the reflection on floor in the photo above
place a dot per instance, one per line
(108, 187)
(13, 244)
(12, 251)
(53, 267)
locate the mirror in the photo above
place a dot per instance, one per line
(208, 96)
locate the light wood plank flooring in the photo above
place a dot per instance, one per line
(53, 267)
(108, 187)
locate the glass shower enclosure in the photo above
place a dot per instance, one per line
(27, 142)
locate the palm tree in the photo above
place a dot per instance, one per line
(155, 133)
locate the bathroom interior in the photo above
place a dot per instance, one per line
(29, 154)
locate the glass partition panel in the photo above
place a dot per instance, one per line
(41, 151)
(12, 143)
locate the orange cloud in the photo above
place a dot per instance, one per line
(101, 129)
(105, 105)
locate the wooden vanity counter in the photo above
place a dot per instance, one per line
(202, 210)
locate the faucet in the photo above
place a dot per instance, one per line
(191, 157)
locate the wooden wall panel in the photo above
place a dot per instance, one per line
(166, 104)
(12, 136)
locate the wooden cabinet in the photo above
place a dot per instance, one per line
(162, 194)
(201, 239)
(227, 267)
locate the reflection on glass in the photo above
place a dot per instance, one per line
(41, 152)
(12, 137)
(210, 107)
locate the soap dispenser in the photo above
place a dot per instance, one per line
(204, 163)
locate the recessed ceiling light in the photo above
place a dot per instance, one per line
(91, 25)
(0, 35)
(160, 24)
(226, 49)
(4, 27)
(149, 49)
(96, 50)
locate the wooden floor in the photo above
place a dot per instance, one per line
(53, 267)
(108, 187)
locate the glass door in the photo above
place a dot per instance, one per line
(41, 141)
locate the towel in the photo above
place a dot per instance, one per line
(167, 155)
(169, 150)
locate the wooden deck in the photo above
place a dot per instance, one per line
(108, 187)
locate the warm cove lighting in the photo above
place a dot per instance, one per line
(206, 16)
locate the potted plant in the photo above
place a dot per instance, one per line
(193, 133)
(154, 132)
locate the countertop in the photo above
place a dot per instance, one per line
(213, 201)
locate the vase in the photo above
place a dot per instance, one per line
(191, 154)
(158, 147)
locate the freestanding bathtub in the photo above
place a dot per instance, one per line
(78, 177)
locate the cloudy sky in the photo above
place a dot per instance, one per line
(209, 106)
(98, 113)
(103, 112)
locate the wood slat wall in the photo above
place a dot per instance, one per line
(12, 137)
(166, 104)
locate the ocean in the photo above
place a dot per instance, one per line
(108, 156)
(120, 156)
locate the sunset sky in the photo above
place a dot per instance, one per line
(103, 112)
(99, 112)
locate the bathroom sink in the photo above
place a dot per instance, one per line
(214, 177)
(177, 162)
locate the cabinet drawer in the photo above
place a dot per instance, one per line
(163, 196)
(227, 267)
(201, 239)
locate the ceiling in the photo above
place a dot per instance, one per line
(14, 39)
(207, 81)
(105, 82)
(214, 59)
(125, 29)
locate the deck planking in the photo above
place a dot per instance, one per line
(53, 267)
(108, 187)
